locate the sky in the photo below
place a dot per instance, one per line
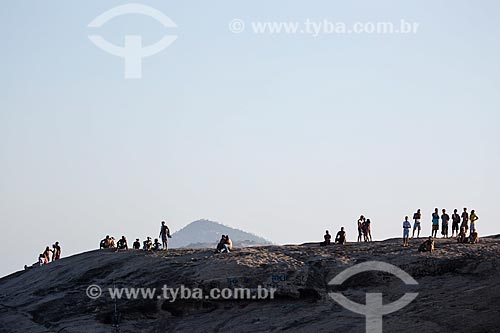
(282, 135)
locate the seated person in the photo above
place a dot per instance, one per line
(228, 245)
(41, 260)
(462, 238)
(474, 237)
(156, 245)
(137, 244)
(220, 246)
(122, 244)
(341, 236)
(105, 243)
(327, 238)
(147, 244)
(427, 246)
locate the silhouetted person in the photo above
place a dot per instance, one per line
(340, 238)
(221, 243)
(427, 246)
(417, 217)
(435, 222)
(105, 243)
(474, 237)
(165, 235)
(137, 244)
(46, 254)
(406, 231)
(473, 219)
(228, 245)
(368, 230)
(41, 260)
(445, 218)
(327, 238)
(156, 245)
(462, 236)
(122, 244)
(361, 220)
(455, 223)
(56, 251)
(465, 220)
(147, 244)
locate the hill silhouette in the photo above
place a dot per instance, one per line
(206, 234)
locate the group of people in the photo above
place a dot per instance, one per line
(47, 256)
(147, 245)
(459, 227)
(364, 229)
(340, 238)
(225, 245)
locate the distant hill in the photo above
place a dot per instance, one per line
(206, 234)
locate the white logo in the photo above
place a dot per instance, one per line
(373, 309)
(93, 291)
(132, 51)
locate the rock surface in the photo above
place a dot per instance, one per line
(459, 289)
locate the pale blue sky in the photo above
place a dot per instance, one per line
(281, 135)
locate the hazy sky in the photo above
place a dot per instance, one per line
(280, 135)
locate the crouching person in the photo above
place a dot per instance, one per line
(462, 236)
(427, 246)
(474, 237)
(156, 245)
(122, 244)
(225, 244)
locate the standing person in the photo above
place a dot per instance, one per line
(416, 225)
(455, 218)
(361, 220)
(46, 255)
(435, 222)
(465, 220)
(473, 219)
(364, 231)
(368, 229)
(445, 218)
(137, 244)
(56, 251)
(164, 234)
(406, 231)
(53, 252)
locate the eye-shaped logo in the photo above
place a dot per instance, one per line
(374, 308)
(132, 51)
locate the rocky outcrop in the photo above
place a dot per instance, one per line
(458, 290)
